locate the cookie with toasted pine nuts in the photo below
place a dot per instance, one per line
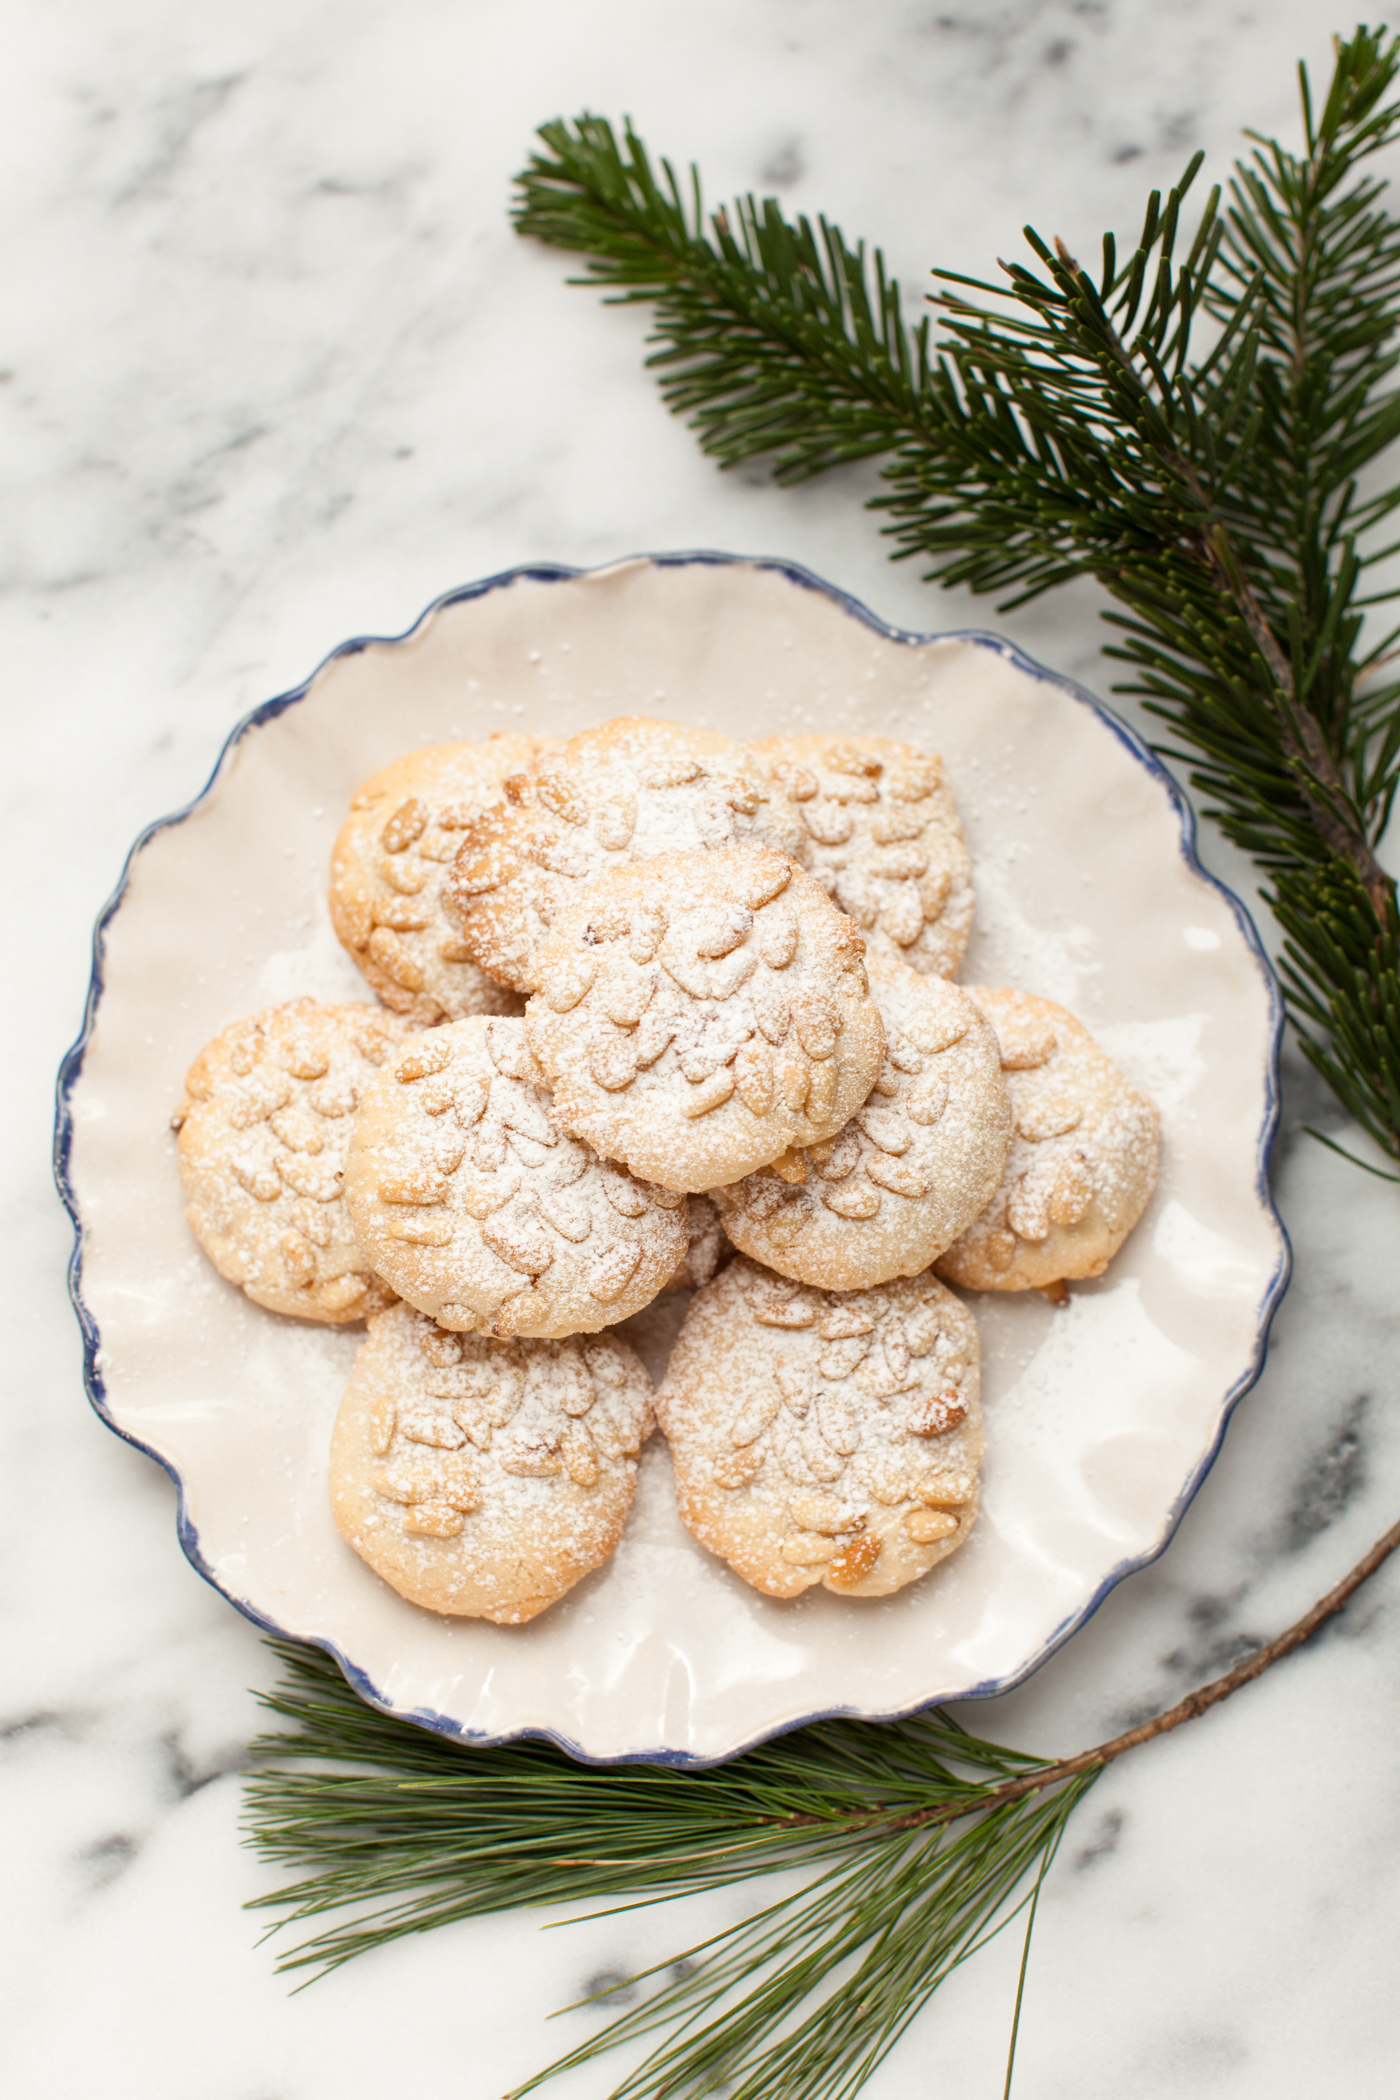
(1082, 1162)
(621, 791)
(485, 1478)
(264, 1130)
(480, 1211)
(389, 865)
(830, 1437)
(912, 1168)
(882, 834)
(699, 1013)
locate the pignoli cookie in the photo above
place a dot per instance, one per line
(391, 861)
(264, 1130)
(913, 1166)
(620, 792)
(484, 1478)
(824, 1436)
(1082, 1161)
(701, 1012)
(475, 1207)
(884, 837)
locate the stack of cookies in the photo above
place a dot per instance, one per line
(650, 996)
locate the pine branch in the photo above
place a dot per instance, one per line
(421, 1831)
(778, 1808)
(1065, 426)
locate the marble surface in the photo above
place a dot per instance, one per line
(274, 372)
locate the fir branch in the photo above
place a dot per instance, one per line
(419, 1831)
(1065, 425)
(778, 340)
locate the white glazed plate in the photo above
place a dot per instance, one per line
(1102, 1417)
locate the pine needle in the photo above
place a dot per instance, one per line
(410, 1831)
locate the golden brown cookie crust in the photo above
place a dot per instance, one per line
(883, 836)
(622, 791)
(484, 1479)
(910, 1170)
(1082, 1162)
(264, 1130)
(823, 1436)
(699, 1013)
(391, 862)
(475, 1207)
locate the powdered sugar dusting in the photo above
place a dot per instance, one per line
(390, 866)
(823, 1436)
(882, 836)
(1082, 1162)
(700, 1013)
(912, 1167)
(478, 1210)
(485, 1478)
(264, 1132)
(627, 790)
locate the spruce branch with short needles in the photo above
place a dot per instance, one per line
(1224, 501)
(1065, 424)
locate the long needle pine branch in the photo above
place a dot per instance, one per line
(915, 1839)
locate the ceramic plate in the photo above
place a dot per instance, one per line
(1102, 1417)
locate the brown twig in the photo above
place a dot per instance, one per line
(1299, 729)
(1302, 736)
(1187, 1709)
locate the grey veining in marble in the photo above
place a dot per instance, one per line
(275, 371)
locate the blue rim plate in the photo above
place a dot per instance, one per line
(1103, 1418)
